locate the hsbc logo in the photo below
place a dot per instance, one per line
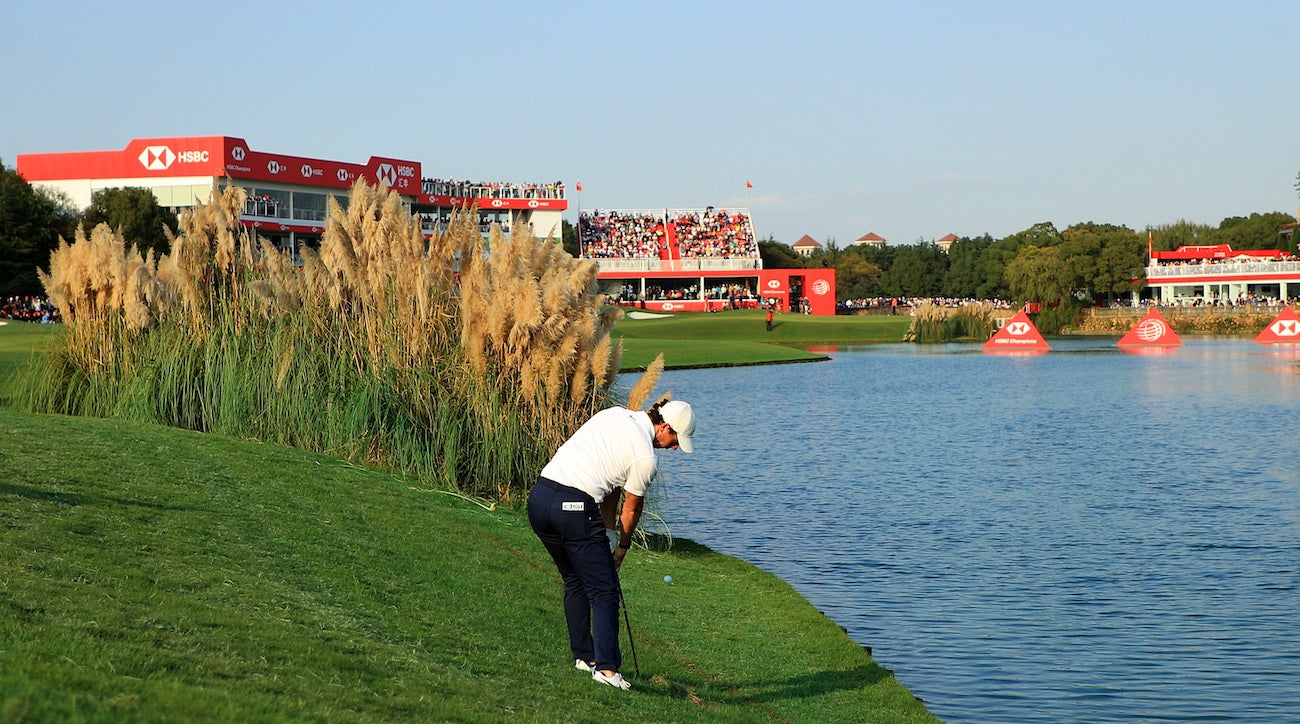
(342, 174)
(274, 167)
(307, 170)
(497, 203)
(668, 306)
(1018, 328)
(387, 174)
(157, 158)
(238, 153)
(773, 283)
(1285, 328)
(534, 203)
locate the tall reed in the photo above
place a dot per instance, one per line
(438, 357)
(932, 324)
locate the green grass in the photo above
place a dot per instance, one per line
(153, 573)
(739, 337)
(19, 342)
(150, 573)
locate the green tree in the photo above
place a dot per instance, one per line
(136, 214)
(569, 237)
(31, 222)
(1168, 237)
(855, 277)
(776, 255)
(1084, 248)
(917, 271)
(963, 277)
(1257, 231)
(1039, 274)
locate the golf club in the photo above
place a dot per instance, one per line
(636, 665)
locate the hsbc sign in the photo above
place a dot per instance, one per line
(161, 158)
(157, 158)
(1018, 328)
(1286, 328)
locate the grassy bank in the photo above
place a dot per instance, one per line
(740, 337)
(153, 573)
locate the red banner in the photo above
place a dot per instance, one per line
(142, 158)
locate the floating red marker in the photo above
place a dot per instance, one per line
(1284, 329)
(1018, 335)
(1151, 331)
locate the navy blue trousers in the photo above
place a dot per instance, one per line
(568, 523)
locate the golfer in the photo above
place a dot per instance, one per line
(574, 510)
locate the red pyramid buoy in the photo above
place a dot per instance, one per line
(1284, 329)
(1151, 331)
(1018, 335)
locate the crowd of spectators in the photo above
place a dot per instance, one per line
(622, 235)
(261, 206)
(489, 190)
(28, 309)
(714, 233)
(905, 305)
(1244, 300)
(709, 233)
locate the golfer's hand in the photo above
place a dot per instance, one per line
(619, 554)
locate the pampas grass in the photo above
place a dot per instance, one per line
(446, 358)
(932, 324)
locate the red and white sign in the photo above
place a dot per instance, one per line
(214, 156)
(1018, 335)
(1284, 329)
(1151, 331)
(142, 158)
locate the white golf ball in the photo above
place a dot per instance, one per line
(668, 579)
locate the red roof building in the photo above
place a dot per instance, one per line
(870, 239)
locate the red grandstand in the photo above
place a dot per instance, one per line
(694, 260)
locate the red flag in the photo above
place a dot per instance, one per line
(748, 185)
(579, 187)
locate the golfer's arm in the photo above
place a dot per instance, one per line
(631, 515)
(609, 508)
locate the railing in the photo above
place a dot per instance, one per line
(480, 190)
(675, 265)
(1252, 267)
(1181, 309)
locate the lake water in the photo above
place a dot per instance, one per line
(1080, 536)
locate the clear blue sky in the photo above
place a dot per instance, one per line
(909, 119)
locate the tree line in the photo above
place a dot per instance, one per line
(1086, 263)
(33, 219)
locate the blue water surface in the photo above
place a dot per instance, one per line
(1081, 536)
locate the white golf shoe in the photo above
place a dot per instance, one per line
(581, 665)
(615, 680)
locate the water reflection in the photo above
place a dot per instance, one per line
(1083, 535)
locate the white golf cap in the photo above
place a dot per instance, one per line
(681, 418)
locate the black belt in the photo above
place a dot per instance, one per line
(547, 482)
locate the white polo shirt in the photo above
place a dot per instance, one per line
(614, 449)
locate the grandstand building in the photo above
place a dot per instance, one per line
(287, 195)
(694, 260)
(1218, 274)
